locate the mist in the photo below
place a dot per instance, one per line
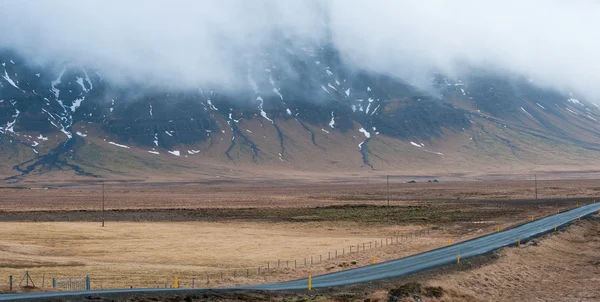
(206, 43)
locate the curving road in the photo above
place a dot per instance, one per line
(386, 270)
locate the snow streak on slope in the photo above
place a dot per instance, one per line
(9, 80)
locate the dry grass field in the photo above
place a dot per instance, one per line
(149, 254)
(155, 231)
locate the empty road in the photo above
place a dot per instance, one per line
(386, 270)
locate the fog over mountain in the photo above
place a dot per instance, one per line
(197, 43)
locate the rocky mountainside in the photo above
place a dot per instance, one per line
(302, 109)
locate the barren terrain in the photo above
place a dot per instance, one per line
(223, 233)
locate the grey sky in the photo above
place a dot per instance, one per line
(198, 42)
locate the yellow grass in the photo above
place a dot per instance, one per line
(148, 254)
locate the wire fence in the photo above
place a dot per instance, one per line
(75, 284)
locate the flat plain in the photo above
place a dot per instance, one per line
(223, 233)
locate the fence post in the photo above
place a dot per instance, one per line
(268, 267)
(10, 283)
(328, 255)
(247, 273)
(87, 283)
(320, 258)
(311, 262)
(343, 251)
(350, 249)
(53, 282)
(278, 260)
(221, 276)
(304, 262)
(193, 281)
(295, 264)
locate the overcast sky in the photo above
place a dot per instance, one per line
(198, 42)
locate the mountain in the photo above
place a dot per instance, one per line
(300, 110)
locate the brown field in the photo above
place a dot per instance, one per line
(561, 267)
(372, 190)
(155, 231)
(125, 254)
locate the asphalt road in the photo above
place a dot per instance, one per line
(385, 270)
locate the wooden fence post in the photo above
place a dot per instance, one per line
(10, 283)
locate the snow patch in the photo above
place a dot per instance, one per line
(332, 122)
(175, 152)
(55, 90)
(153, 152)
(526, 112)
(211, 105)
(572, 111)
(80, 82)
(278, 93)
(541, 106)
(80, 134)
(324, 130)
(575, 101)
(118, 145)
(262, 112)
(288, 111)
(76, 104)
(416, 145)
(348, 92)
(11, 125)
(375, 110)
(365, 132)
(192, 152)
(9, 80)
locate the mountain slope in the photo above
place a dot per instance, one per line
(321, 116)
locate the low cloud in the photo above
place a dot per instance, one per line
(200, 43)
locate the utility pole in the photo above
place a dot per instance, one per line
(388, 190)
(103, 203)
(535, 181)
